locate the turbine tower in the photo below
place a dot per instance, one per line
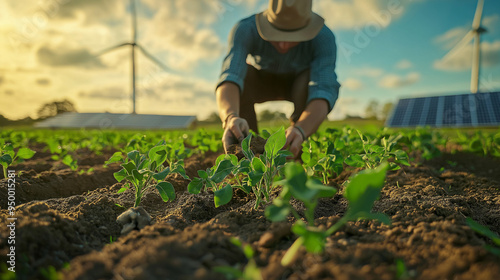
(473, 34)
(135, 45)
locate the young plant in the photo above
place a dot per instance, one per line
(143, 171)
(361, 192)
(375, 154)
(322, 162)
(8, 156)
(212, 179)
(60, 150)
(262, 170)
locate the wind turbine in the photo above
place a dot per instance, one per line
(473, 34)
(135, 45)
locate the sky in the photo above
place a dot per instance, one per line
(386, 50)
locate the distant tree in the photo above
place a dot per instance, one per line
(352, 117)
(55, 108)
(386, 110)
(268, 115)
(371, 111)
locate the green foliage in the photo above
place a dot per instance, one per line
(378, 150)
(361, 192)
(212, 179)
(144, 170)
(260, 172)
(323, 158)
(9, 156)
(205, 141)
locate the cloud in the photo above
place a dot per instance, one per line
(404, 64)
(369, 72)
(180, 32)
(350, 14)
(43, 81)
(60, 56)
(85, 11)
(490, 22)
(352, 84)
(451, 37)
(462, 60)
(345, 106)
(395, 81)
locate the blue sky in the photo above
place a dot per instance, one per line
(396, 51)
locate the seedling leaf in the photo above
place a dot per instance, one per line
(223, 196)
(274, 143)
(355, 161)
(25, 153)
(224, 168)
(6, 160)
(166, 190)
(162, 175)
(195, 186)
(120, 175)
(116, 157)
(245, 147)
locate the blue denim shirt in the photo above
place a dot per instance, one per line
(318, 54)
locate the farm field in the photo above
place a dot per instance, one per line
(404, 206)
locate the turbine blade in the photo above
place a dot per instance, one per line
(134, 20)
(479, 13)
(465, 40)
(112, 48)
(154, 59)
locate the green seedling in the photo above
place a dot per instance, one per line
(8, 156)
(205, 141)
(374, 154)
(262, 170)
(495, 238)
(143, 171)
(424, 141)
(361, 192)
(60, 149)
(249, 272)
(323, 160)
(212, 179)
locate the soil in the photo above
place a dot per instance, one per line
(67, 221)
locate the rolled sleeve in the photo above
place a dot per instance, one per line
(234, 67)
(323, 80)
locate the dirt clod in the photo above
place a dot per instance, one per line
(134, 218)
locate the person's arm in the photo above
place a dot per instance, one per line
(309, 121)
(323, 91)
(228, 103)
(231, 83)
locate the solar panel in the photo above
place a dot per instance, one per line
(461, 110)
(121, 121)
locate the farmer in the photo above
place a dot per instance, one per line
(291, 57)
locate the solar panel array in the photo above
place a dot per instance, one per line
(462, 110)
(110, 121)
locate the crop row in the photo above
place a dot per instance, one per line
(147, 160)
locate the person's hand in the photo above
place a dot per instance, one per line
(294, 139)
(236, 129)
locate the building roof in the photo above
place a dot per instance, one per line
(119, 121)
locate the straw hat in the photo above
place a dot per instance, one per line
(289, 21)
